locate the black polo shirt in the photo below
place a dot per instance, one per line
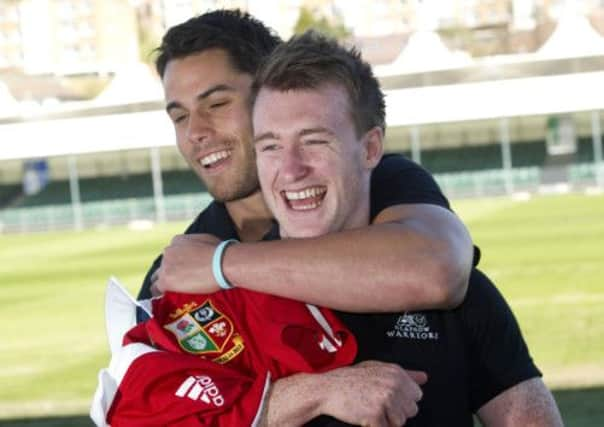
(471, 354)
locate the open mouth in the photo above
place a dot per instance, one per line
(306, 199)
(215, 159)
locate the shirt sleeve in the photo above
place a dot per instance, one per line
(499, 357)
(161, 388)
(398, 180)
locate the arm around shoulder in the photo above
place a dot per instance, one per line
(413, 257)
(436, 248)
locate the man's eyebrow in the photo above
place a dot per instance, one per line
(203, 95)
(303, 132)
(310, 131)
(265, 135)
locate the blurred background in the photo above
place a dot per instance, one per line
(501, 100)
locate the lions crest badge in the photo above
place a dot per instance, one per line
(205, 331)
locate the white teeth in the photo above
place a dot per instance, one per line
(214, 157)
(305, 194)
(306, 207)
(309, 195)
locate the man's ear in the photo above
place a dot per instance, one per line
(373, 147)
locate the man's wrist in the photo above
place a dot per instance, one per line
(295, 400)
(217, 264)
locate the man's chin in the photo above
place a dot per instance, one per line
(225, 196)
(303, 232)
(229, 187)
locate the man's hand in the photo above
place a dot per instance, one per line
(187, 265)
(372, 393)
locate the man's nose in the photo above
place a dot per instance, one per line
(199, 128)
(294, 164)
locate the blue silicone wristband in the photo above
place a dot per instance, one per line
(217, 264)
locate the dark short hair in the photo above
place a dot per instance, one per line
(311, 60)
(246, 40)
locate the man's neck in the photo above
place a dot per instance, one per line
(250, 216)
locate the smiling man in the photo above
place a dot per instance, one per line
(318, 128)
(215, 141)
(320, 185)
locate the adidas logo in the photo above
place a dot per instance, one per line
(202, 388)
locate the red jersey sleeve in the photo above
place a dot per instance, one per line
(160, 388)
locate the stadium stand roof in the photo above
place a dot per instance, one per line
(495, 99)
(79, 135)
(129, 113)
(146, 125)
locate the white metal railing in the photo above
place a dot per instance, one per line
(527, 179)
(186, 206)
(106, 212)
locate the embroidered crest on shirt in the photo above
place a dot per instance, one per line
(205, 331)
(412, 326)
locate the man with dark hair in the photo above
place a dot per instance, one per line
(218, 54)
(318, 127)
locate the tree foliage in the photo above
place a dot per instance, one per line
(309, 19)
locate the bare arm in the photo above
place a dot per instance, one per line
(369, 393)
(292, 401)
(413, 257)
(528, 403)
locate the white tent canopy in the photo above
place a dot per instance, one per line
(424, 51)
(573, 37)
(133, 83)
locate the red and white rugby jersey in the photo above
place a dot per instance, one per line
(207, 360)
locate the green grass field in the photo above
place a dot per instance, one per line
(546, 255)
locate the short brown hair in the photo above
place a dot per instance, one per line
(244, 38)
(311, 60)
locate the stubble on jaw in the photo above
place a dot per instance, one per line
(239, 185)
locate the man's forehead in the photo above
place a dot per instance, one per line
(199, 76)
(211, 67)
(323, 101)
